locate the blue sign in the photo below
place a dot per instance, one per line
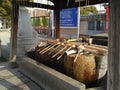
(68, 17)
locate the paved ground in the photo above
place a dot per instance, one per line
(12, 79)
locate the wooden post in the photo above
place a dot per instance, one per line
(38, 24)
(113, 82)
(44, 25)
(57, 23)
(14, 30)
(0, 49)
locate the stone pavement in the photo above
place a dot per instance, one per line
(13, 79)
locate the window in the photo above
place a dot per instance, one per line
(100, 25)
(91, 25)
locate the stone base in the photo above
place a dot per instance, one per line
(13, 65)
(24, 45)
(46, 77)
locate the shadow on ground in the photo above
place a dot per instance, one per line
(12, 79)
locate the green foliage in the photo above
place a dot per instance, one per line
(3, 59)
(5, 9)
(87, 10)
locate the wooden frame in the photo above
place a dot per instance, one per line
(113, 82)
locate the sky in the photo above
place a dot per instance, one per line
(43, 1)
(99, 7)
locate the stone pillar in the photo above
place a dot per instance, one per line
(113, 82)
(27, 37)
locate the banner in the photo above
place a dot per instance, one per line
(69, 17)
(107, 17)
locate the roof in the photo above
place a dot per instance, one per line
(61, 4)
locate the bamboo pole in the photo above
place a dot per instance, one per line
(80, 49)
(64, 52)
(49, 48)
(46, 48)
(54, 49)
(59, 51)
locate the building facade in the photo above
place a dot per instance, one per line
(93, 24)
(89, 25)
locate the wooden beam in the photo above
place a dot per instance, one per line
(37, 5)
(72, 3)
(113, 82)
(57, 23)
(14, 30)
